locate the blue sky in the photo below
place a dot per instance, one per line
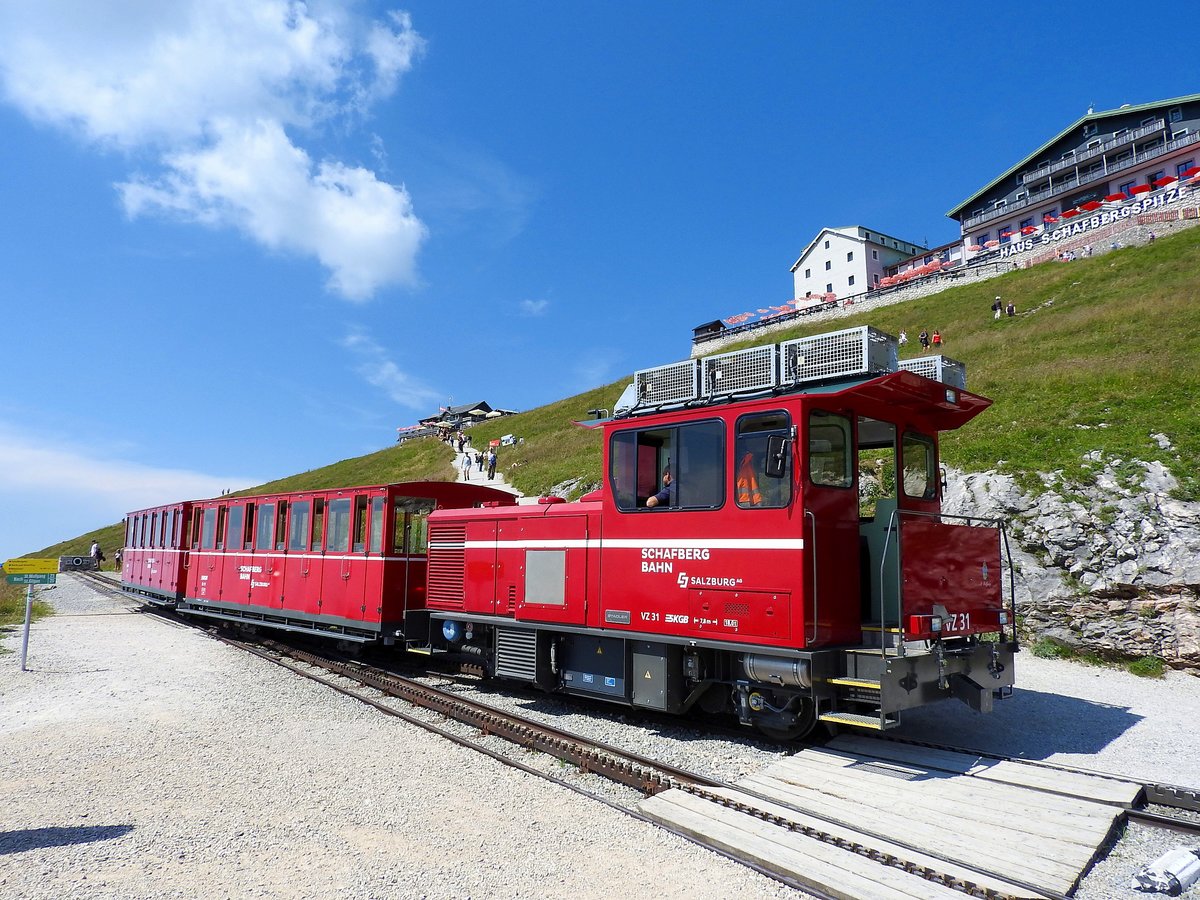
(246, 238)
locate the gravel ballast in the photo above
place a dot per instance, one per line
(140, 759)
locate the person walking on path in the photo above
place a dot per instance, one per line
(923, 337)
(97, 554)
(479, 461)
(491, 461)
(465, 465)
(996, 307)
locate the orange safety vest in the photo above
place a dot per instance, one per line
(747, 483)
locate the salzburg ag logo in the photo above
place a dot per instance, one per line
(682, 579)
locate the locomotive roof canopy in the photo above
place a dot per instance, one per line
(942, 406)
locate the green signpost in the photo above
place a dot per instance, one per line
(30, 578)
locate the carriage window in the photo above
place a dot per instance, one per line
(265, 536)
(338, 538)
(221, 528)
(693, 456)
(318, 523)
(153, 528)
(829, 450)
(753, 488)
(920, 467)
(360, 524)
(281, 525)
(376, 525)
(236, 521)
(410, 525)
(418, 532)
(248, 542)
(208, 530)
(299, 524)
(169, 529)
(142, 530)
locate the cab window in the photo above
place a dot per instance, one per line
(829, 455)
(920, 467)
(753, 487)
(681, 467)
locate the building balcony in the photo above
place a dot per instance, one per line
(1092, 152)
(1075, 181)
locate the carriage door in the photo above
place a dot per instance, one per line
(879, 524)
(344, 576)
(830, 531)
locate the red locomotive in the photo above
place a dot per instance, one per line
(733, 559)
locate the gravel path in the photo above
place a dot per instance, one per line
(126, 776)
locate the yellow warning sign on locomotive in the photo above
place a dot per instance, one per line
(31, 566)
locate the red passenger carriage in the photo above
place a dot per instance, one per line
(348, 563)
(152, 563)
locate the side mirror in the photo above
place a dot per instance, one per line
(778, 450)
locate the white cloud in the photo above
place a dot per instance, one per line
(378, 370)
(534, 308)
(27, 465)
(194, 84)
(253, 178)
(51, 491)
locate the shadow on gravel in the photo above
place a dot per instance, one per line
(1029, 725)
(35, 838)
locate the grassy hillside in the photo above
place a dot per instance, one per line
(1103, 354)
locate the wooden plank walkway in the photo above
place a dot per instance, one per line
(1101, 788)
(1002, 826)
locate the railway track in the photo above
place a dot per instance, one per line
(643, 777)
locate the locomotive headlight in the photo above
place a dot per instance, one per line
(935, 623)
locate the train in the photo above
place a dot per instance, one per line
(767, 542)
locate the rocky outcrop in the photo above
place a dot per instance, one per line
(1111, 567)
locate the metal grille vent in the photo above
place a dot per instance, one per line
(838, 354)
(737, 609)
(516, 654)
(939, 368)
(677, 383)
(884, 769)
(740, 372)
(447, 565)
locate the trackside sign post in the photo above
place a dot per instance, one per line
(29, 572)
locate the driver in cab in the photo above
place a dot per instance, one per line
(661, 498)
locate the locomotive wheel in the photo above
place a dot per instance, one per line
(802, 725)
